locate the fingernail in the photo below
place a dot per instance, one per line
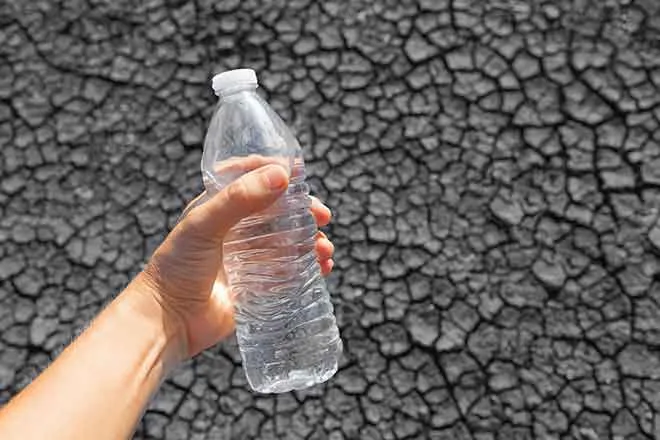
(276, 177)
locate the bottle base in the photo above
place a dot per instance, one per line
(279, 377)
(296, 380)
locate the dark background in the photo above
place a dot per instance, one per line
(493, 167)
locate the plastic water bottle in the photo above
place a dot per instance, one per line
(286, 329)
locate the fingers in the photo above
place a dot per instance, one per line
(233, 168)
(242, 165)
(229, 170)
(324, 247)
(247, 195)
(321, 213)
(324, 252)
(326, 267)
(213, 215)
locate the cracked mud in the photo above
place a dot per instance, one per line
(493, 167)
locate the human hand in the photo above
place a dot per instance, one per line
(186, 277)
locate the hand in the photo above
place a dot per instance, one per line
(186, 277)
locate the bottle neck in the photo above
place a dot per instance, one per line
(234, 91)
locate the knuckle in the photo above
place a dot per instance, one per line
(194, 229)
(237, 192)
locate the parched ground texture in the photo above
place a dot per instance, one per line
(493, 167)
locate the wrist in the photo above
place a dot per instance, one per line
(140, 300)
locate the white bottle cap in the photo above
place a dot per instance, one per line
(226, 81)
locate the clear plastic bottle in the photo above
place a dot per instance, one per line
(286, 329)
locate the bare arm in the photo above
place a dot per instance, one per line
(100, 385)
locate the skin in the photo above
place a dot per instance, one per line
(176, 307)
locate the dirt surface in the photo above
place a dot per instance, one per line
(493, 167)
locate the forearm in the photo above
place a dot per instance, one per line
(99, 386)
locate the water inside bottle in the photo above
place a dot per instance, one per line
(286, 328)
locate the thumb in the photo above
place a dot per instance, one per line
(247, 195)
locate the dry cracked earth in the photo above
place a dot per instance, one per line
(493, 167)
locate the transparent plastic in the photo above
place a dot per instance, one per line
(285, 325)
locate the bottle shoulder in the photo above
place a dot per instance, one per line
(245, 129)
(245, 125)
